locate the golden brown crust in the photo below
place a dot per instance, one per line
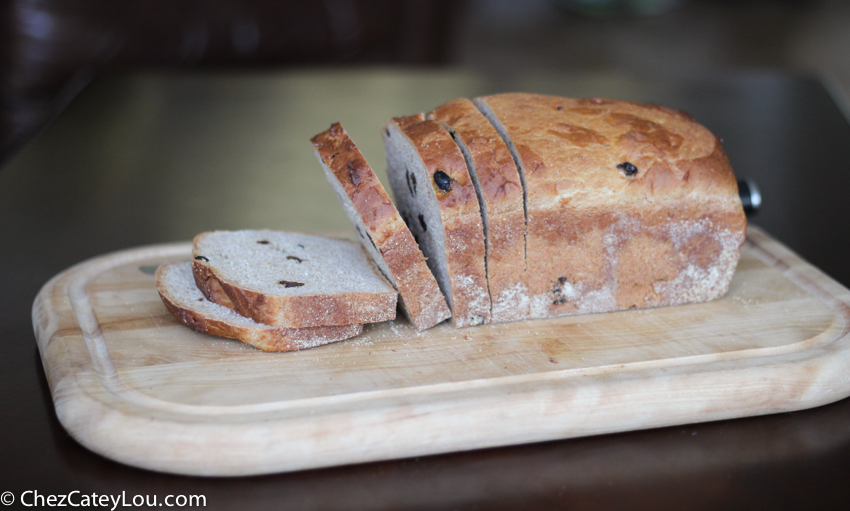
(460, 215)
(408, 120)
(420, 295)
(629, 205)
(494, 164)
(440, 153)
(358, 180)
(425, 305)
(261, 337)
(501, 190)
(209, 285)
(575, 145)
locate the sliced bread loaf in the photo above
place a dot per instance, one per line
(292, 280)
(437, 199)
(500, 194)
(184, 301)
(629, 205)
(380, 228)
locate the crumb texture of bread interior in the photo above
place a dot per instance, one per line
(295, 280)
(437, 200)
(501, 196)
(380, 228)
(176, 286)
(629, 205)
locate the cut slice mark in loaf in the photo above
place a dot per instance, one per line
(487, 112)
(421, 158)
(380, 228)
(363, 233)
(614, 246)
(407, 183)
(470, 167)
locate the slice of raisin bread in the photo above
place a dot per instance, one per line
(629, 205)
(292, 280)
(187, 304)
(436, 197)
(380, 228)
(500, 193)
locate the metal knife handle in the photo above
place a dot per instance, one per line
(750, 196)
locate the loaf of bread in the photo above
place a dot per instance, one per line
(437, 199)
(524, 206)
(291, 280)
(628, 205)
(500, 194)
(380, 228)
(184, 300)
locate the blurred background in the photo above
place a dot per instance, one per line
(52, 48)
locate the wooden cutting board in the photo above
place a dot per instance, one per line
(132, 384)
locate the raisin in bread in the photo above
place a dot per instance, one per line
(187, 304)
(629, 205)
(380, 228)
(291, 280)
(500, 194)
(436, 197)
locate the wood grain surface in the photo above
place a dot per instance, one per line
(132, 384)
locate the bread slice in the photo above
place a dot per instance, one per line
(292, 280)
(436, 198)
(380, 228)
(184, 301)
(500, 194)
(629, 205)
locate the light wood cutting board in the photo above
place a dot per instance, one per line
(132, 384)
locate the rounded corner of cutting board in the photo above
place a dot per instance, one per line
(139, 440)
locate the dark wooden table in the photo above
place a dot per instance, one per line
(152, 158)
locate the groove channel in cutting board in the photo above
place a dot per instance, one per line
(166, 360)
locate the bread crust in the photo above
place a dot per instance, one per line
(629, 205)
(460, 215)
(293, 310)
(501, 192)
(260, 336)
(419, 293)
